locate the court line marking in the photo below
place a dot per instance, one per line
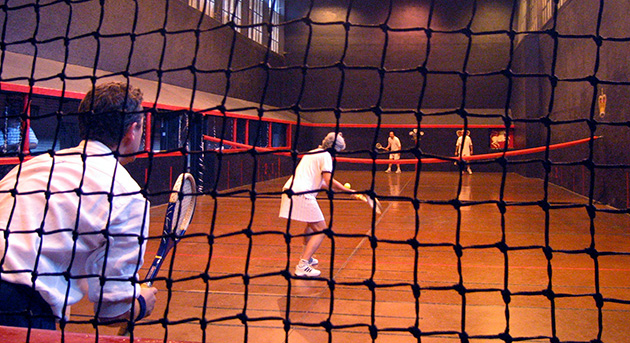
(360, 244)
(482, 266)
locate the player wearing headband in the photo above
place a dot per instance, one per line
(313, 173)
(75, 222)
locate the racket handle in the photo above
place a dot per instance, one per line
(154, 269)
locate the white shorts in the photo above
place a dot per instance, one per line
(304, 209)
(394, 156)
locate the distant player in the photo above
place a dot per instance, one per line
(393, 145)
(415, 135)
(313, 173)
(464, 146)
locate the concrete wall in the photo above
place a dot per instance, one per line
(384, 62)
(583, 61)
(164, 41)
(386, 59)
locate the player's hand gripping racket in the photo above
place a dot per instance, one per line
(380, 146)
(373, 203)
(179, 214)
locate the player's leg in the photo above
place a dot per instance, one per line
(304, 268)
(389, 167)
(315, 240)
(397, 157)
(307, 236)
(468, 167)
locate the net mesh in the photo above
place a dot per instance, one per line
(238, 115)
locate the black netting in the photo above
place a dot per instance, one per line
(236, 91)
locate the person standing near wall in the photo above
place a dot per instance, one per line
(393, 145)
(12, 126)
(464, 146)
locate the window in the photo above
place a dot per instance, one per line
(53, 123)
(278, 135)
(169, 130)
(275, 7)
(253, 132)
(257, 11)
(258, 133)
(232, 12)
(534, 14)
(219, 127)
(205, 6)
(241, 131)
(255, 14)
(256, 18)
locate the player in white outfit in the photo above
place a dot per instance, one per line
(76, 222)
(312, 174)
(393, 145)
(464, 146)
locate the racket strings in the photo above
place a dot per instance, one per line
(184, 207)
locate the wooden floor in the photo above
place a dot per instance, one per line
(491, 289)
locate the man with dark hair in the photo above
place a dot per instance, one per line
(75, 222)
(108, 112)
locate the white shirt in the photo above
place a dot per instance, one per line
(466, 147)
(308, 173)
(107, 206)
(394, 143)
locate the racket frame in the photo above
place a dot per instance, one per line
(371, 202)
(171, 234)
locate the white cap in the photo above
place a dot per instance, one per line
(336, 138)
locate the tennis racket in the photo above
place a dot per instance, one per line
(179, 214)
(371, 202)
(380, 146)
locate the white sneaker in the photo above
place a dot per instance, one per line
(388, 171)
(313, 261)
(305, 269)
(398, 171)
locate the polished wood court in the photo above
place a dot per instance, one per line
(503, 282)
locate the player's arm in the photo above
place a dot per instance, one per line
(333, 184)
(121, 259)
